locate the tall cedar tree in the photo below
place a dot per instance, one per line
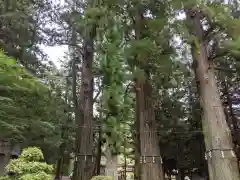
(151, 167)
(216, 131)
(83, 167)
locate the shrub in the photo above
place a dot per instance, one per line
(36, 176)
(28, 167)
(32, 154)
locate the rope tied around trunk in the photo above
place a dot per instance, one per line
(208, 153)
(150, 159)
(85, 156)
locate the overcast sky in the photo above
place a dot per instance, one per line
(55, 53)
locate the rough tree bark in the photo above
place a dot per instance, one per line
(137, 153)
(222, 163)
(83, 167)
(84, 139)
(151, 167)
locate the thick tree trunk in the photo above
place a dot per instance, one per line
(84, 141)
(150, 158)
(151, 167)
(137, 153)
(83, 166)
(222, 163)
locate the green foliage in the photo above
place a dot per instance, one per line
(21, 36)
(36, 176)
(102, 178)
(18, 92)
(28, 166)
(114, 75)
(29, 112)
(32, 154)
